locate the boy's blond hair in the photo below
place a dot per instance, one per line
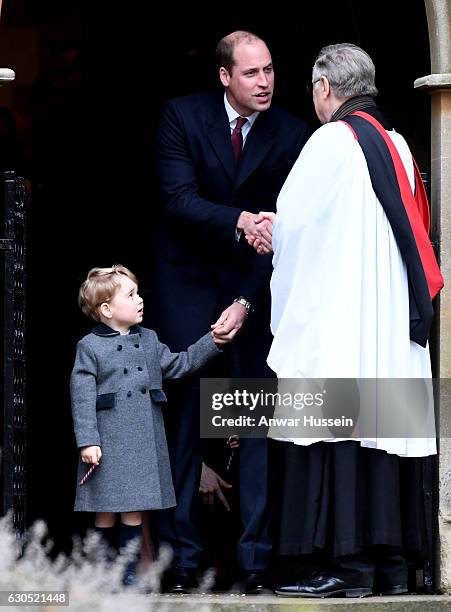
(100, 286)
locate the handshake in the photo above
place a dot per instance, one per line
(257, 230)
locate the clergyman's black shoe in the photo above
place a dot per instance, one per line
(181, 580)
(382, 588)
(322, 585)
(391, 576)
(255, 584)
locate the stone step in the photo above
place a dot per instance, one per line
(272, 603)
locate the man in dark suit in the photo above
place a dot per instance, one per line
(223, 157)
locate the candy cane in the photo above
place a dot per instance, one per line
(87, 475)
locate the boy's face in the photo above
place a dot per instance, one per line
(125, 308)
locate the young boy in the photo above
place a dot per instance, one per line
(117, 396)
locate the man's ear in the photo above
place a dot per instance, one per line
(326, 86)
(224, 76)
(105, 310)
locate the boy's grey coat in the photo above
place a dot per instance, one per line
(117, 396)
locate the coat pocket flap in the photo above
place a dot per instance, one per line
(158, 396)
(105, 401)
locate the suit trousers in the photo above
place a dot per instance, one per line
(244, 358)
(178, 526)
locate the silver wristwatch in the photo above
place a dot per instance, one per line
(247, 305)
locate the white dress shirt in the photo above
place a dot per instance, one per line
(233, 118)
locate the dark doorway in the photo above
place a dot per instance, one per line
(95, 194)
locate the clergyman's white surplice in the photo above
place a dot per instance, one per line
(340, 304)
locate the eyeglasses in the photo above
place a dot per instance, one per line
(309, 86)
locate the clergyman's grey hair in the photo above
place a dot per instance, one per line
(348, 68)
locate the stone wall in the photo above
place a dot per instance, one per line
(438, 84)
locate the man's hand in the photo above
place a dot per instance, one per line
(256, 225)
(210, 485)
(266, 216)
(262, 247)
(91, 454)
(258, 246)
(229, 323)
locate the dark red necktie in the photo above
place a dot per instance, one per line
(237, 138)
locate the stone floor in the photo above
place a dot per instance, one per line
(271, 603)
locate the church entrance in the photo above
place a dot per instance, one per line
(92, 98)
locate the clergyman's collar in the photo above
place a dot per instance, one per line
(353, 104)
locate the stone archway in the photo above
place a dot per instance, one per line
(438, 84)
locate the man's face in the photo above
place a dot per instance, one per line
(250, 86)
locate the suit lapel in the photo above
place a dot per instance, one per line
(258, 144)
(218, 133)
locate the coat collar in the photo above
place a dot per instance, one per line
(101, 329)
(259, 143)
(218, 132)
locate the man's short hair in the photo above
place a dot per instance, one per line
(100, 286)
(348, 68)
(226, 47)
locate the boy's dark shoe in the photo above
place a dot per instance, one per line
(127, 534)
(130, 578)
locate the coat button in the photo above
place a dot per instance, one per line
(136, 345)
(125, 371)
(129, 394)
(119, 347)
(140, 369)
(143, 390)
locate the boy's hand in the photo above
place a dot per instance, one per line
(219, 340)
(229, 323)
(91, 454)
(233, 441)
